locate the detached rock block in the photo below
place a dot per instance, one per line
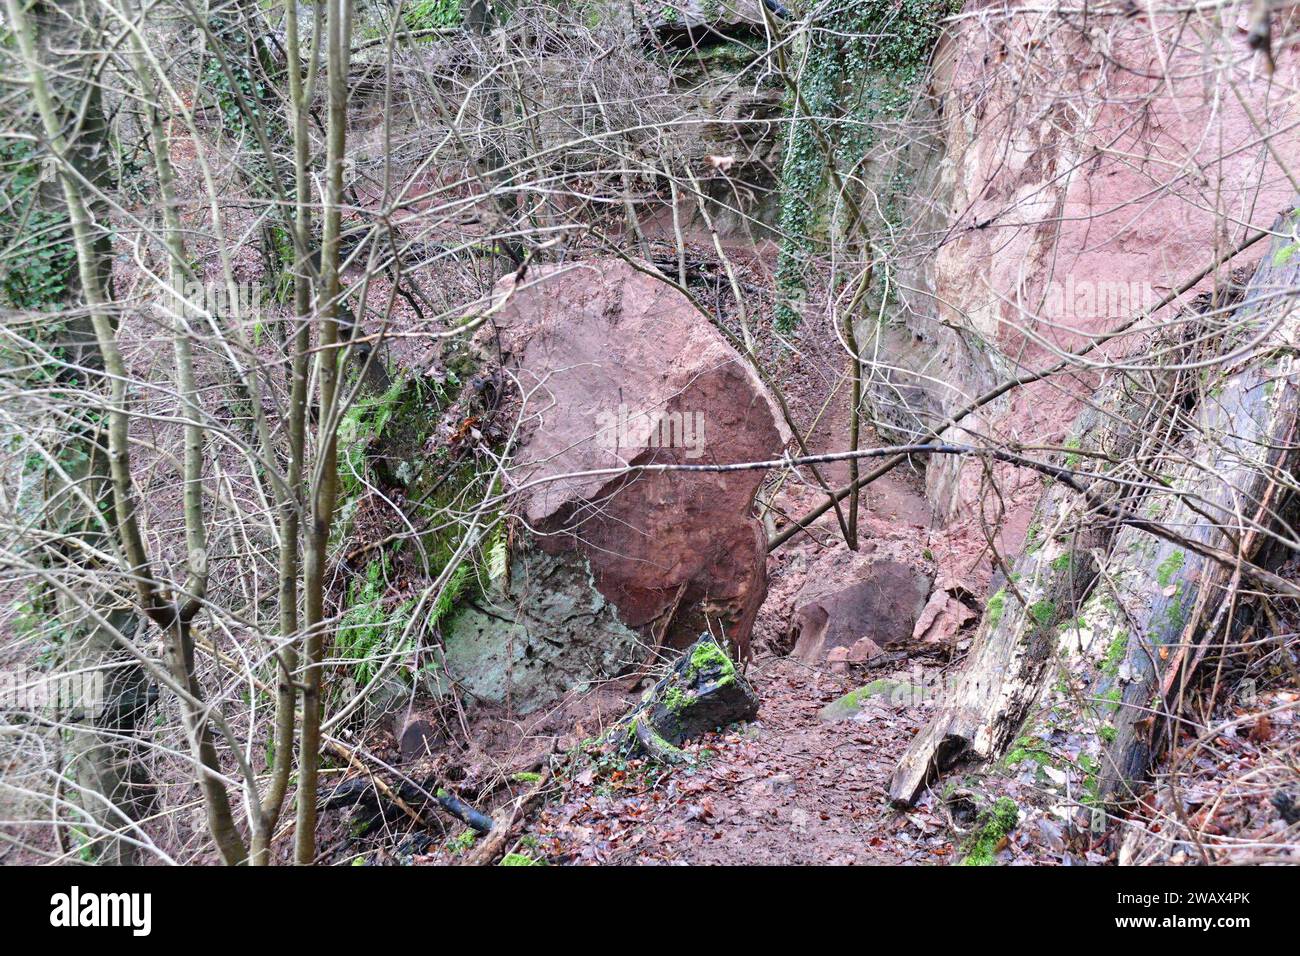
(853, 624)
(617, 369)
(941, 619)
(703, 692)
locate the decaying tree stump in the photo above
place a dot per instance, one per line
(1000, 682)
(1079, 700)
(704, 691)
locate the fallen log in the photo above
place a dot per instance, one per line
(1124, 663)
(1076, 701)
(1000, 681)
(368, 788)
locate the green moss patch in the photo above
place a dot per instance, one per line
(519, 859)
(1026, 748)
(848, 705)
(997, 604)
(1042, 612)
(1115, 655)
(707, 655)
(991, 828)
(1169, 567)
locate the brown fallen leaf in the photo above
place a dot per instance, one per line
(1262, 731)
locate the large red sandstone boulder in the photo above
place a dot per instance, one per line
(615, 369)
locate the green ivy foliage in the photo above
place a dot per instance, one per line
(432, 14)
(216, 80)
(36, 250)
(865, 62)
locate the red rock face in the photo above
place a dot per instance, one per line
(617, 369)
(1092, 168)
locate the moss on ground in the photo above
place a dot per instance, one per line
(1073, 459)
(520, 859)
(991, 828)
(852, 702)
(1027, 748)
(462, 841)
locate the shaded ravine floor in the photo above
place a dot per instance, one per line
(786, 788)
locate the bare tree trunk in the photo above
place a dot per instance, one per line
(173, 619)
(114, 786)
(855, 393)
(286, 695)
(1158, 604)
(325, 484)
(1001, 677)
(480, 20)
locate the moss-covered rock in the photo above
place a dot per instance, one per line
(848, 705)
(704, 691)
